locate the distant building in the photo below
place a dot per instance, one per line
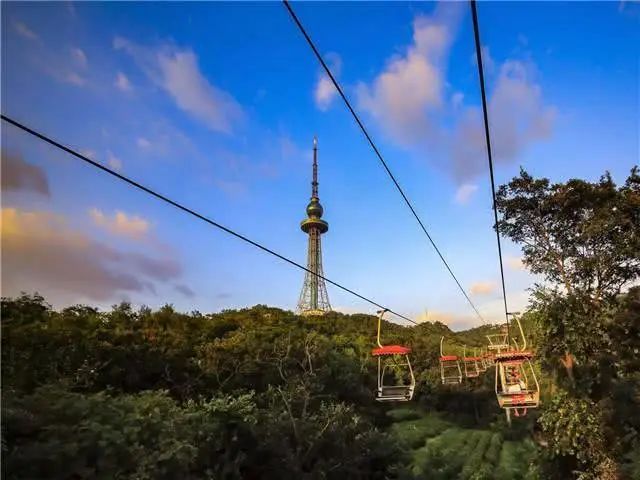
(313, 298)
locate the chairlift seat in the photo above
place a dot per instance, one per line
(513, 356)
(395, 393)
(390, 350)
(448, 358)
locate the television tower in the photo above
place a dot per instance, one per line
(313, 298)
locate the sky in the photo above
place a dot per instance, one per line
(216, 105)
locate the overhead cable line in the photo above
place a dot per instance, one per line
(191, 212)
(376, 151)
(476, 33)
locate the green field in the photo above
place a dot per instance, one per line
(438, 449)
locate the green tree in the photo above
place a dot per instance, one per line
(579, 236)
(583, 239)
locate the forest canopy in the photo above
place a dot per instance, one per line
(264, 393)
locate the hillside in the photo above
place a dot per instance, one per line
(263, 393)
(297, 391)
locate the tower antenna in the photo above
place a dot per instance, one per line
(314, 182)
(314, 299)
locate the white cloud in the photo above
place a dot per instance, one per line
(410, 101)
(122, 82)
(517, 111)
(143, 142)
(177, 72)
(482, 288)
(195, 95)
(88, 153)
(488, 64)
(411, 88)
(131, 226)
(79, 57)
(25, 31)
(74, 79)
(324, 91)
(515, 263)
(465, 192)
(518, 117)
(114, 162)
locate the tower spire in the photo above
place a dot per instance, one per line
(314, 182)
(313, 298)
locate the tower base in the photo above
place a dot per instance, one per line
(313, 313)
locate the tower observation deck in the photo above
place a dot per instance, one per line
(313, 298)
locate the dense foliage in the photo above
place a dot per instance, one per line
(583, 239)
(264, 393)
(255, 393)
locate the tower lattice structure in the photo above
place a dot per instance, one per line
(313, 298)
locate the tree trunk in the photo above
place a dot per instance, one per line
(567, 363)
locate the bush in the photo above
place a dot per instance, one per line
(54, 433)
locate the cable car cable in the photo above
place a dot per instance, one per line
(191, 212)
(476, 35)
(376, 151)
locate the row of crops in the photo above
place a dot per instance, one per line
(439, 449)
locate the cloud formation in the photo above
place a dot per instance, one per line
(185, 290)
(411, 88)
(114, 162)
(515, 263)
(482, 288)
(177, 72)
(518, 117)
(87, 152)
(131, 226)
(20, 175)
(41, 253)
(324, 91)
(122, 82)
(465, 192)
(74, 79)
(410, 101)
(79, 57)
(25, 31)
(143, 142)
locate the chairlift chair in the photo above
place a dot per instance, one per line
(516, 384)
(393, 358)
(482, 365)
(487, 358)
(499, 342)
(450, 371)
(471, 368)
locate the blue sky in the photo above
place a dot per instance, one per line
(216, 105)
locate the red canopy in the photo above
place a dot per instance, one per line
(448, 358)
(390, 350)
